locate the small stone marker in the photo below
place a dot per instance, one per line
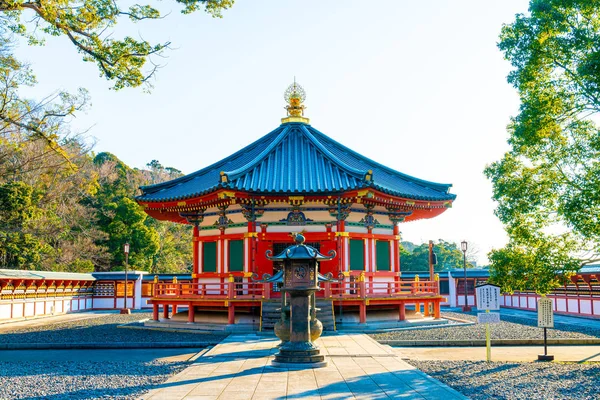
(488, 297)
(488, 318)
(545, 320)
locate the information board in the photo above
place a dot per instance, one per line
(488, 318)
(545, 313)
(488, 297)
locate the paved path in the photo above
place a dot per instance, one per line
(359, 367)
(501, 353)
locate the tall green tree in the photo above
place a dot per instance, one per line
(547, 185)
(155, 246)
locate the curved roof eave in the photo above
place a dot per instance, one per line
(355, 165)
(440, 186)
(211, 167)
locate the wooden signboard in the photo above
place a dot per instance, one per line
(545, 313)
(488, 297)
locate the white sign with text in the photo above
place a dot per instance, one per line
(545, 313)
(488, 297)
(488, 318)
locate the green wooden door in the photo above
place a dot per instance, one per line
(382, 252)
(236, 255)
(357, 255)
(209, 257)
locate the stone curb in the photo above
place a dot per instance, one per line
(495, 342)
(91, 346)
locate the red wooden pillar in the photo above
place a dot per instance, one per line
(341, 228)
(196, 253)
(363, 312)
(437, 312)
(191, 313)
(165, 311)
(402, 312)
(426, 309)
(231, 314)
(174, 309)
(252, 237)
(396, 250)
(155, 312)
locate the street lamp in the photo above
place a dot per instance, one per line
(463, 247)
(125, 310)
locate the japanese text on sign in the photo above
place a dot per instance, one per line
(488, 297)
(488, 318)
(545, 314)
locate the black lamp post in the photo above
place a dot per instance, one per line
(463, 247)
(125, 310)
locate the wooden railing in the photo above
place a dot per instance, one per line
(353, 286)
(363, 289)
(211, 290)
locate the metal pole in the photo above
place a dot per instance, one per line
(125, 291)
(466, 308)
(545, 343)
(488, 341)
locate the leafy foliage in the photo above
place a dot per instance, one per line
(88, 23)
(416, 257)
(547, 185)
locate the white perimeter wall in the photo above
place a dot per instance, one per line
(27, 308)
(586, 306)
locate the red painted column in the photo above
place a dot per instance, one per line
(231, 314)
(155, 312)
(195, 253)
(191, 313)
(165, 311)
(426, 309)
(402, 312)
(363, 312)
(396, 244)
(437, 312)
(343, 240)
(174, 309)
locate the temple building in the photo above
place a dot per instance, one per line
(295, 179)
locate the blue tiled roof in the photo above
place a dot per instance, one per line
(295, 158)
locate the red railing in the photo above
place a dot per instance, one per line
(211, 290)
(354, 286)
(364, 289)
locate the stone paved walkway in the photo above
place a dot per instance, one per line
(359, 367)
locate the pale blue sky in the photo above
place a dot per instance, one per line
(417, 86)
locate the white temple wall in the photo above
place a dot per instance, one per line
(30, 308)
(104, 303)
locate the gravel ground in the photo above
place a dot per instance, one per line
(101, 329)
(512, 381)
(82, 380)
(510, 328)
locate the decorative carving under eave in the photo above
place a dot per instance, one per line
(396, 215)
(295, 217)
(223, 221)
(340, 211)
(194, 218)
(369, 220)
(251, 212)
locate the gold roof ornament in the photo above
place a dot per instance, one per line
(295, 96)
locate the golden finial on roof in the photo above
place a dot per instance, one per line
(295, 96)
